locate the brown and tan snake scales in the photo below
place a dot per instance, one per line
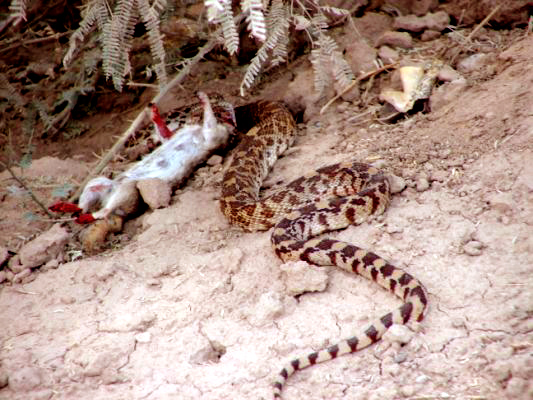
(327, 199)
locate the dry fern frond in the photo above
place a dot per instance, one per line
(17, 9)
(255, 18)
(117, 27)
(278, 23)
(117, 41)
(150, 17)
(11, 94)
(94, 12)
(339, 12)
(329, 65)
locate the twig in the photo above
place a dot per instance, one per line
(37, 40)
(356, 81)
(485, 20)
(21, 183)
(457, 50)
(136, 124)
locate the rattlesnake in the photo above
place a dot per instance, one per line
(330, 198)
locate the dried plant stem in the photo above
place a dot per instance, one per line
(482, 23)
(32, 195)
(37, 40)
(137, 123)
(356, 81)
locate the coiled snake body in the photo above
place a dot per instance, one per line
(328, 199)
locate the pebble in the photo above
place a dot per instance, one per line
(516, 387)
(300, 277)
(472, 63)
(143, 337)
(24, 379)
(388, 55)
(52, 264)
(393, 229)
(439, 175)
(155, 192)
(396, 39)
(21, 275)
(342, 107)
(429, 35)
(15, 265)
(448, 74)
(434, 21)
(44, 247)
(422, 184)
(400, 357)
(473, 248)
(215, 159)
(397, 184)
(407, 390)
(398, 334)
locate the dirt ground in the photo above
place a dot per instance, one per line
(189, 307)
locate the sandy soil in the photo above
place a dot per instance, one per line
(192, 308)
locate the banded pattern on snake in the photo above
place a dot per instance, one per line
(327, 199)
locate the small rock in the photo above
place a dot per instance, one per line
(473, 248)
(268, 308)
(422, 184)
(422, 7)
(155, 192)
(300, 277)
(388, 55)
(21, 275)
(400, 357)
(24, 379)
(52, 264)
(422, 378)
(45, 247)
(448, 74)
(3, 277)
(143, 337)
(398, 334)
(153, 283)
(516, 388)
(429, 35)
(393, 229)
(396, 39)
(342, 107)
(407, 390)
(436, 22)
(360, 56)
(15, 265)
(446, 94)
(439, 175)
(472, 63)
(215, 159)
(391, 369)
(139, 321)
(501, 370)
(397, 184)
(9, 275)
